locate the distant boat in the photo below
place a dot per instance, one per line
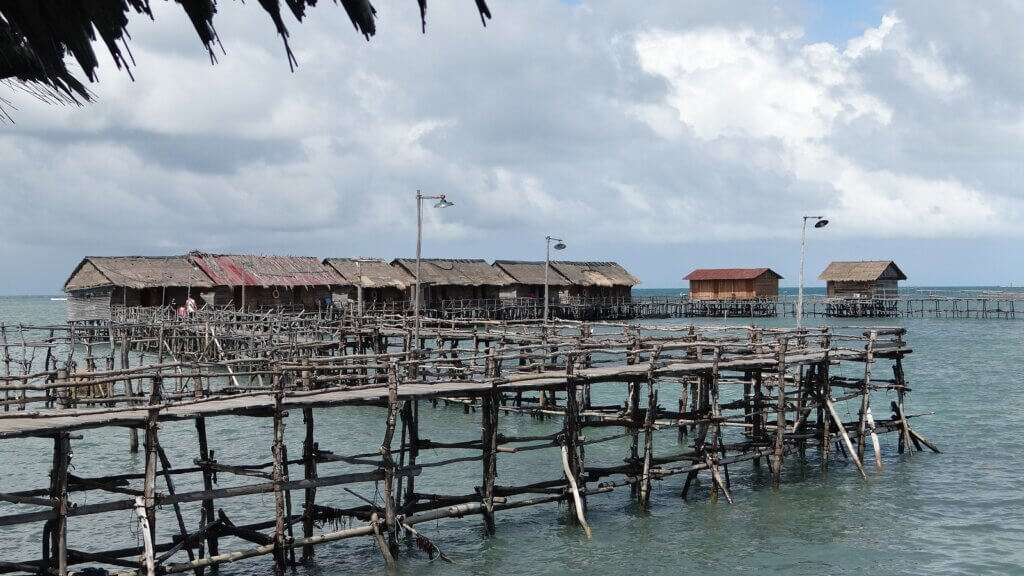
(58, 299)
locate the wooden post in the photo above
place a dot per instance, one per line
(570, 458)
(823, 392)
(149, 485)
(59, 493)
(278, 477)
(489, 441)
(389, 469)
(206, 458)
(780, 416)
(309, 449)
(865, 395)
(901, 383)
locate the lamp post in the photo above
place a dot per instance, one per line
(819, 222)
(559, 245)
(442, 202)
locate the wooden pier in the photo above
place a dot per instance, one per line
(713, 398)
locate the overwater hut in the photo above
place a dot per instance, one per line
(874, 279)
(528, 280)
(379, 281)
(596, 279)
(455, 279)
(250, 282)
(733, 283)
(98, 283)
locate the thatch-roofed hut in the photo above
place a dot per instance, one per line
(596, 279)
(733, 283)
(863, 279)
(528, 279)
(380, 281)
(99, 282)
(250, 281)
(455, 279)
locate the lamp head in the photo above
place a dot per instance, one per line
(443, 203)
(821, 223)
(559, 246)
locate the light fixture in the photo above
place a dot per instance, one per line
(559, 246)
(443, 203)
(821, 223)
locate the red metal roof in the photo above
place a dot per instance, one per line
(250, 270)
(728, 273)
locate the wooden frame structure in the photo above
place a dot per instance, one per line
(715, 397)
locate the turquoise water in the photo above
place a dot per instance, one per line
(959, 512)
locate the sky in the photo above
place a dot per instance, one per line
(669, 137)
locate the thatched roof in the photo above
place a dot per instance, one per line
(862, 271)
(37, 35)
(455, 272)
(730, 274)
(371, 272)
(530, 273)
(135, 272)
(595, 273)
(251, 270)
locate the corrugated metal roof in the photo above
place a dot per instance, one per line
(729, 274)
(862, 271)
(595, 273)
(252, 270)
(371, 272)
(455, 272)
(530, 273)
(135, 272)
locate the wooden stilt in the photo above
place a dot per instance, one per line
(780, 415)
(206, 457)
(309, 449)
(59, 493)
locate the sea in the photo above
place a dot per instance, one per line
(958, 512)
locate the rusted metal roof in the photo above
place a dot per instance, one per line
(730, 274)
(253, 270)
(862, 271)
(135, 272)
(371, 273)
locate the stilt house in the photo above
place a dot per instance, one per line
(454, 279)
(874, 279)
(733, 283)
(252, 282)
(596, 279)
(528, 280)
(380, 281)
(98, 283)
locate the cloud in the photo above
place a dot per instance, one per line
(770, 89)
(668, 130)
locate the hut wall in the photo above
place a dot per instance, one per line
(837, 289)
(129, 297)
(89, 304)
(723, 289)
(593, 292)
(766, 286)
(886, 288)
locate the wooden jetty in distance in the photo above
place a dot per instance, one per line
(711, 397)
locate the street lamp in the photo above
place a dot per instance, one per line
(559, 245)
(819, 222)
(442, 202)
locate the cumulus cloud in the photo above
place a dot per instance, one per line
(770, 87)
(631, 133)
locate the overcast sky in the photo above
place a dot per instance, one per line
(666, 135)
